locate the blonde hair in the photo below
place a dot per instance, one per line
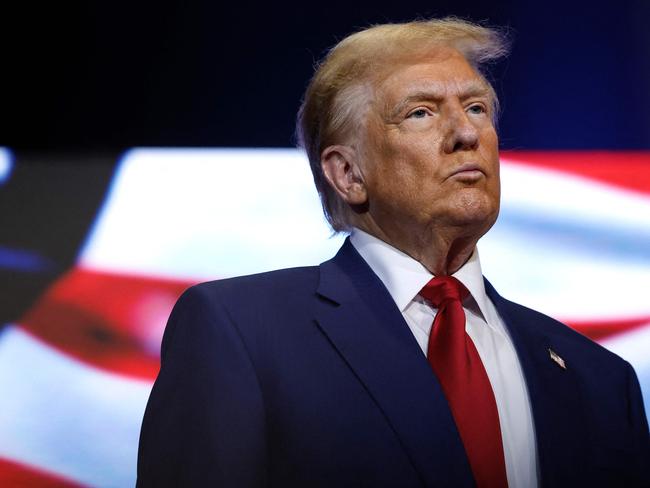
(339, 93)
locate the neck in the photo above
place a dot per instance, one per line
(441, 251)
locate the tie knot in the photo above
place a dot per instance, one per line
(443, 288)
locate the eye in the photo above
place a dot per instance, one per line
(477, 109)
(419, 113)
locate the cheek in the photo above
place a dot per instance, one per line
(489, 151)
(489, 142)
(497, 183)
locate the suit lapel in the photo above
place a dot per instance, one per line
(363, 323)
(554, 392)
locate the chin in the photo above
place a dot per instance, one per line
(477, 214)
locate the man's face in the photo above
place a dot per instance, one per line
(430, 152)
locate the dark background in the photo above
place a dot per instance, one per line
(105, 76)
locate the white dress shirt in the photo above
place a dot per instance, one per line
(404, 277)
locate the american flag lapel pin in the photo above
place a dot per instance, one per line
(555, 357)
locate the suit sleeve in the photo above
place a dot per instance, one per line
(639, 422)
(204, 424)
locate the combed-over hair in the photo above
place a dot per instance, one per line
(338, 95)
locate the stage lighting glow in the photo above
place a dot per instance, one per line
(6, 163)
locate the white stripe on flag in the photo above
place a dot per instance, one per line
(65, 416)
(210, 213)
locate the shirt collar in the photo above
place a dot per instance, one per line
(404, 277)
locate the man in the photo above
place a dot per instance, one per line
(394, 363)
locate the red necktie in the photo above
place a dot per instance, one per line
(456, 363)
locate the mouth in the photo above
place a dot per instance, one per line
(468, 172)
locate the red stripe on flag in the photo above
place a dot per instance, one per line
(17, 474)
(626, 169)
(112, 321)
(115, 321)
(603, 329)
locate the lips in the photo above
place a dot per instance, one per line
(468, 171)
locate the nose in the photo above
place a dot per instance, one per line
(461, 133)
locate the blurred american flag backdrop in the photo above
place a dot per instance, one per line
(80, 349)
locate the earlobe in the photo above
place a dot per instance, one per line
(341, 169)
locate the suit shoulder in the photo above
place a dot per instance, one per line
(242, 300)
(275, 284)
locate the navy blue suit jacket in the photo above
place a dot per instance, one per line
(310, 377)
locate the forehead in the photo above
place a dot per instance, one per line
(442, 73)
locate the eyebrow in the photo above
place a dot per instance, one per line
(469, 90)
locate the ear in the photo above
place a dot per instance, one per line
(341, 169)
